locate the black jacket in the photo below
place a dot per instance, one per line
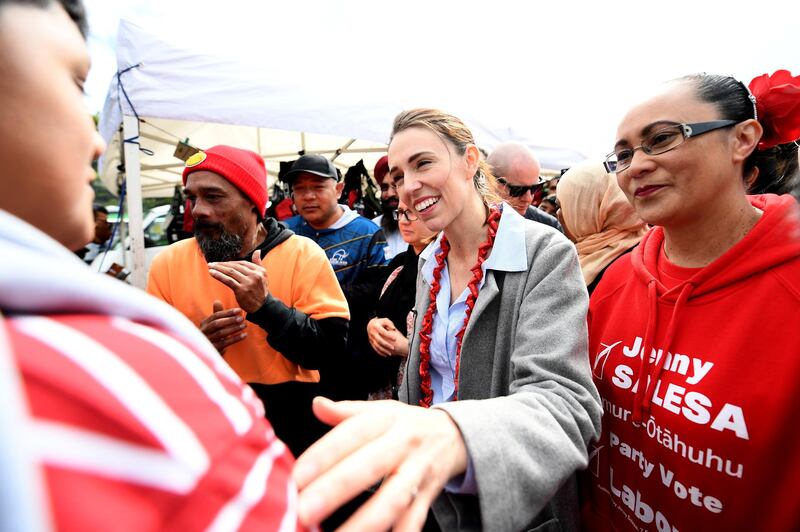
(532, 213)
(395, 304)
(302, 339)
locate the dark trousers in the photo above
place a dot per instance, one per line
(288, 409)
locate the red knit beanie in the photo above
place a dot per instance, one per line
(244, 169)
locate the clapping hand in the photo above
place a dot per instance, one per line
(248, 280)
(224, 327)
(385, 339)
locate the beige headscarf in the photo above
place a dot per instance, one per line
(598, 216)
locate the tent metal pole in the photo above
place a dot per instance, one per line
(146, 167)
(122, 226)
(336, 152)
(162, 140)
(342, 149)
(133, 179)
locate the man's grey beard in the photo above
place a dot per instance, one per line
(227, 247)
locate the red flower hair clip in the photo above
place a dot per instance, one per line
(778, 104)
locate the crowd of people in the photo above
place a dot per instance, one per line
(610, 349)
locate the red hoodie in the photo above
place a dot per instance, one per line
(711, 443)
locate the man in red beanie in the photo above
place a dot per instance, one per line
(267, 299)
(389, 201)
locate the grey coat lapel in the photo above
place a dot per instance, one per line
(477, 352)
(409, 390)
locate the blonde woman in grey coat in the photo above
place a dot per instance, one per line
(498, 404)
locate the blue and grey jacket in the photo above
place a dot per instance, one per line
(353, 244)
(356, 248)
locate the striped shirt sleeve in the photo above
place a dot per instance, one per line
(134, 430)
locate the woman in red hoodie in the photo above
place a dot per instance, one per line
(695, 336)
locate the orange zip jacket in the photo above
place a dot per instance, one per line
(299, 275)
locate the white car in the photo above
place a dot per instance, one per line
(155, 240)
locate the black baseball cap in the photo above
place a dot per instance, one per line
(312, 164)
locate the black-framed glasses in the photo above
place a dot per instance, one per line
(661, 141)
(516, 191)
(408, 214)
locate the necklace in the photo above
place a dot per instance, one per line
(427, 321)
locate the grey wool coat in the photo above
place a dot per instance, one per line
(527, 406)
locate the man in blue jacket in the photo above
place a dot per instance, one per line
(355, 247)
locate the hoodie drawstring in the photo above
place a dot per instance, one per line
(649, 332)
(646, 387)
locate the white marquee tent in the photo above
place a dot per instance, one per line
(168, 91)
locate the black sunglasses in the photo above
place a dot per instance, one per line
(516, 191)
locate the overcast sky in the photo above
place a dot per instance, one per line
(563, 71)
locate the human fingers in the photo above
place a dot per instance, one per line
(389, 339)
(414, 518)
(225, 279)
(256, 258)
(435, 453)
(374, 342)
(242, 266)
(372, 326)
(222, 320)
(387, 334)
(377, 341)
(371, 461)
(223, 343)
(221, 271)
(383, 350)
(247, 281)
(386, 324)
(334, 412)
(233, 329)
(338, 442)
(385, 347)
(219, 311)
(403, 500)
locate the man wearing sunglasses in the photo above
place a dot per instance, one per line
(517, 173)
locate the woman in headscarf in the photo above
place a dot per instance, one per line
(596, 216)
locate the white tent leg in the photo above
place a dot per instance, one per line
(130, 126)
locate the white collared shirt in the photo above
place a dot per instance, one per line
(508, 254)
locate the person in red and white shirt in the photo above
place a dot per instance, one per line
(115, 411)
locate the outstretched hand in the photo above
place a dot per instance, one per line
(413, 450)
(248, 280)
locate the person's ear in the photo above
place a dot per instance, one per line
(472, 157)
(339, 188)
(747, 134)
